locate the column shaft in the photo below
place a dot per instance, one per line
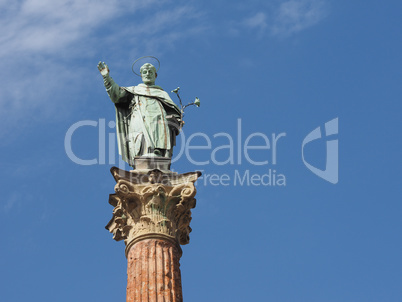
(153, 272)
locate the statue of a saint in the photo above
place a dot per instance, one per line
(147, 120)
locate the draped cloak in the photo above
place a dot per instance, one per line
(146, 119)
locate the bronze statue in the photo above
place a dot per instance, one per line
(147, 120)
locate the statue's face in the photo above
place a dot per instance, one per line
(148, 76)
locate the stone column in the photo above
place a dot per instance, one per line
(154, 271)
(152, 214)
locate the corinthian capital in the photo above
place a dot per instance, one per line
(152, 205)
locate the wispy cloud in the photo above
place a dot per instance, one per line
(42, 40)
(48, 26)
(163, 28)
(259, 21)
(287, 17)
(295, 15)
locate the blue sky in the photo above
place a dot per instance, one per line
(283, 66)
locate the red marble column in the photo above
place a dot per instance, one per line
(153, 271)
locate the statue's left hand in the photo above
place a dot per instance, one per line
(103, 68)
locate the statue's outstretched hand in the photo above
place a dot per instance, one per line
(103, 68)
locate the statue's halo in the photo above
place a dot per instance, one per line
(145, 61)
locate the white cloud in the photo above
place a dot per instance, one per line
(42, 40)
(287, 17)
(257, 21)
(48, 26)
(295, 15)
(163, 29)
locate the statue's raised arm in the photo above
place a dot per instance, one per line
(103, 68)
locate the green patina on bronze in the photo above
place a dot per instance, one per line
(147, 120)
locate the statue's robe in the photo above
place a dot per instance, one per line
(146, 119)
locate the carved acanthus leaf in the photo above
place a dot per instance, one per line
(148, 206)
